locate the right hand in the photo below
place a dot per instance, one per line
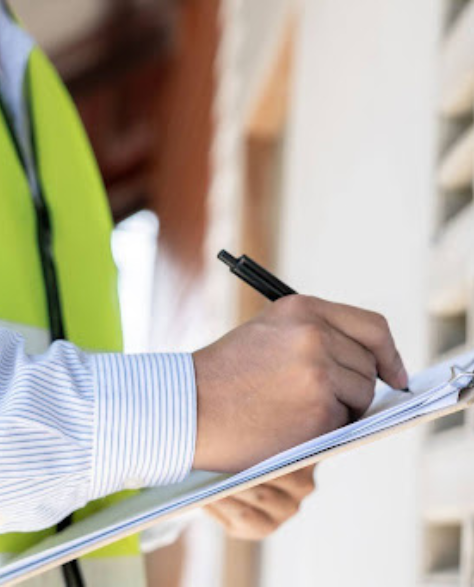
(302, 368)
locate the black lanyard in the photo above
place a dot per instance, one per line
(71, 572)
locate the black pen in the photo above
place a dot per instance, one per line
(259, 278)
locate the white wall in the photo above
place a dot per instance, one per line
(263, 24)
(357, 208)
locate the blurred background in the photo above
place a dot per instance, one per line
(333, 141)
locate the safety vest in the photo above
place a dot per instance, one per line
(58, 278)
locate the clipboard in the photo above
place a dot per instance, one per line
(163, 504)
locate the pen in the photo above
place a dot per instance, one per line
(259, 278)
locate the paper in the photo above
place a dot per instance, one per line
(432, 390)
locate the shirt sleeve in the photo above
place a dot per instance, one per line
(76, 426)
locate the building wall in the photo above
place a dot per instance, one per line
(356, 221)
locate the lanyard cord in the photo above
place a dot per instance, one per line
(71, 571)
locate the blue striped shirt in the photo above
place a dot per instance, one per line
(76, 426)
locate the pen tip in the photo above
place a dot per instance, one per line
(406, 390)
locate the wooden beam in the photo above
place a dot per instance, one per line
(265, 129)
(242, 564)
(130, 37)
(129, 196)
(269, 112)
(260, 212)
(184, 121)
(264, 132)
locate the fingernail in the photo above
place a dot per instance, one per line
(402, 378)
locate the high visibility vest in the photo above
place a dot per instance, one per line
(56, 268)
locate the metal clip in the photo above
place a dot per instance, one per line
(459, 372)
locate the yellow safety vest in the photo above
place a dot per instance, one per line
(58, 278)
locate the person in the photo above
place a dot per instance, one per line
(79, 420)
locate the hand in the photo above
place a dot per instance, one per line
(303, 367)
(260, 511)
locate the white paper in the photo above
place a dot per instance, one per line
(432, 390)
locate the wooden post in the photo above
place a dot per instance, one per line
(264, 135)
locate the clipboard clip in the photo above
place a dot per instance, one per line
(460, 372)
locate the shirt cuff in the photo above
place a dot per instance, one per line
(145, 420)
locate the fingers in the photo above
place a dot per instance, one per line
(372, 331)
(353, 390)
(243, 520)
(349, 354)
(274, 502)
(356, 377)
(257, 512)
(299, 484)
(214, 510)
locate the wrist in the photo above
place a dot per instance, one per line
(210, 414)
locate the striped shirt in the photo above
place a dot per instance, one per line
(76, 426)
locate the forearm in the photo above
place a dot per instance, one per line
(76, 426)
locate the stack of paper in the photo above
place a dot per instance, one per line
(432, 392)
